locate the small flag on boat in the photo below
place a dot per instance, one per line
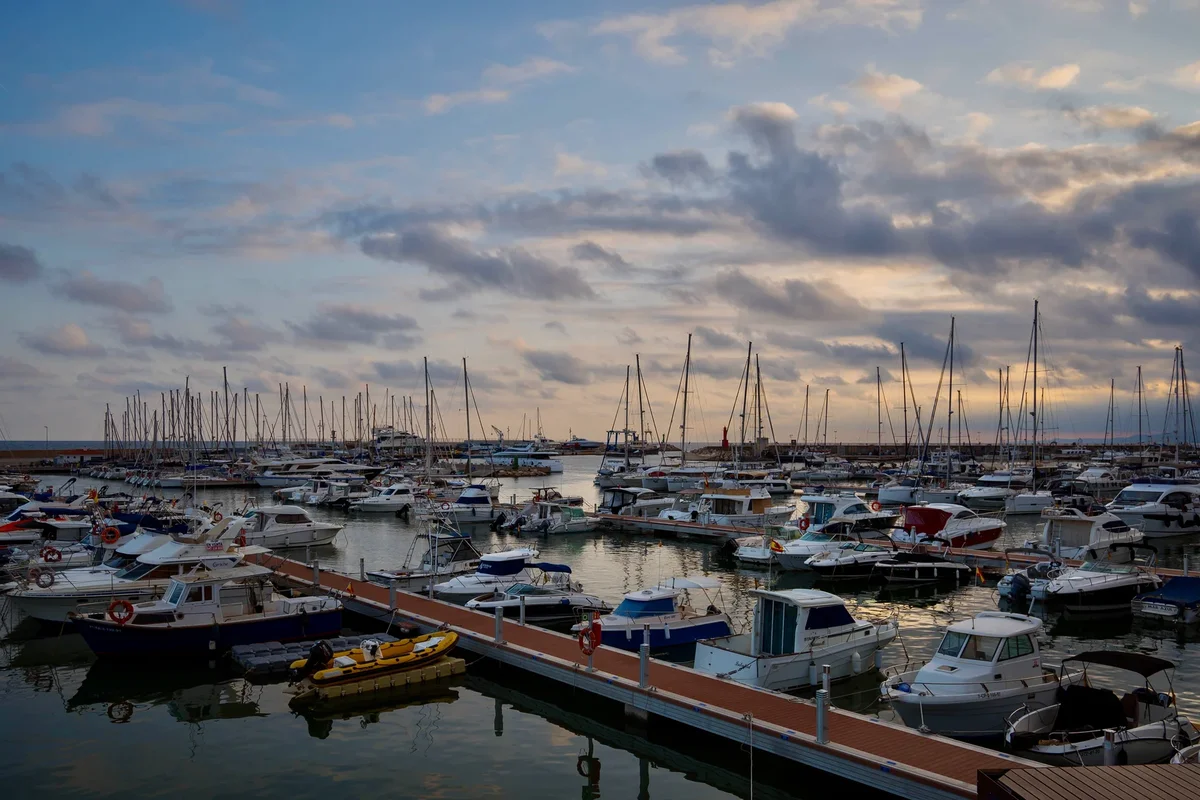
(979, 574)
(776, 547)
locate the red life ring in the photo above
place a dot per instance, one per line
(589, 636)
(445, 506)
(240, 541)
(110, 536)
(875, 506)
(217, 517)
(805, 522)
(51, 555)
(120, 611)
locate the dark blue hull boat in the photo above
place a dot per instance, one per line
(107, 638)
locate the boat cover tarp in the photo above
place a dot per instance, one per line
(547, 567)
(1179, 590)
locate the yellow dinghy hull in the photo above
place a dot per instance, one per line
(349, 666)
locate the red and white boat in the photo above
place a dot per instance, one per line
(948, 525)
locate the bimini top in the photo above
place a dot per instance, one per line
(689, 582)
(801, 598)
(997, 623)
(1142, 664)
(519, 554)
(547, 567)
(669, 588)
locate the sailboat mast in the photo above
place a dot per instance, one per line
(467, 406)
(1141, 452)
(950, 401)
(904, 396)
(1033, 451)
(626, 431)
(879, 414)
(825, 416)
(806, 388)
(745, 397)
(687, 365)
(428, 426)
(641, 409)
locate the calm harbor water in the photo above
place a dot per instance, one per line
(77, 727)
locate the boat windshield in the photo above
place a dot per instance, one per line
(117, 561)
(176, 593)
(635, 609)
(1108, 567)
(816, 536)
(134, 571)
(525, 588)
(968, 646)
(1137, 496)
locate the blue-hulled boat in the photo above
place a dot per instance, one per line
(207, 612)
(1177, 600)
(665, 615)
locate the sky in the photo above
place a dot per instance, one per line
(324, 195)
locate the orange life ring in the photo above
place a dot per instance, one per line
(51, 555)
(110, 535)
(805, 522)
(589, 637)
(120, 611)
(217, 517)
(875, 506)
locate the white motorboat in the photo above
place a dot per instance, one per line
(1145, 723)
(692, 477)
(473, 505)
(794, 555)
(387, 500)
(91, 590)
(1108, 582)
(632, 502)
(542, 603)
(772, 481)
(731, 507)
(554, 518)
(921, 566)
(525, 455)
(283, 527)
(664, 616)
(901, 491)
(448, 554)
(793, 634)
(984, 669)
(948, 525)
(1102, 481)
(762, 551)
(1159, 508)
(498, 571)
(852, 561)
(1070, 531)
(823, 507)
(992, 491)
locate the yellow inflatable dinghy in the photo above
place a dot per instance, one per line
(324, 667)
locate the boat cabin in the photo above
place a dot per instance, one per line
(220, 595)
(475, 495)
(784, 620)
(737, 501)
(824, 507)
(991, 646)
(268, 517)
(632, 501)
(506, 562)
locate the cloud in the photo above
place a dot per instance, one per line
(714, 338)
(511, 270)
(567, 164)
(1111, 117)
(680, 167)
(886, 90)
(735, 31)
(558, 367)
(844, 353)
(16, 374)
(68, 340)
(817, 300)
(146, 298)
(1124, 84)
(341, 324)
(588, 250)
(18, 264)
(1022, 74)
(411, 374)
(839, 107)
(241, 335)
(555, 325)
(1187, 76)
(499, 81)
(441, 103)
(331, 378)
(628, 337)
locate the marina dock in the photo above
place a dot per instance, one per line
(861, 749)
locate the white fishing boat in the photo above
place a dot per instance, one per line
(550, 518)
(632, 502)
(525, 455)
(820, 508)
(498, 571)
(1070, 532)
(283, 527)
(664, 616)
(448, 553)
(472, 506)
(1146, 726)
(984, 669)
(794, 555)
(792, 635)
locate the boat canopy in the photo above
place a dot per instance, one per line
(1180, 591)
(685, 582)
(1140, 663)
(547, 567)
(654, 605)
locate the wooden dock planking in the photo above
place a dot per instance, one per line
(945, 765)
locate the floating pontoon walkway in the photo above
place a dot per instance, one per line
(863, 749)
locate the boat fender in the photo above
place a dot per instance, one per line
(51, 555)
(856, 663)
(903, 687)
(695, 516)
(45, 579)
(120, 611)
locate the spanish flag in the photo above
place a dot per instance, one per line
(979, 574)
(776, 547)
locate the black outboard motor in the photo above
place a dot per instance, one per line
(319, 656)
(498, 522)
